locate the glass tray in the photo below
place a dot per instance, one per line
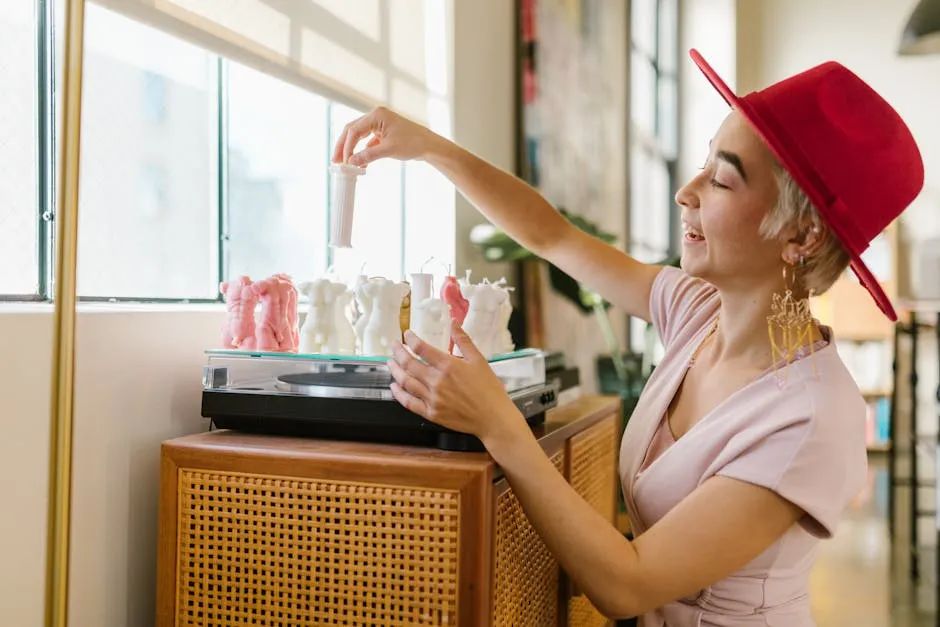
(349, 359)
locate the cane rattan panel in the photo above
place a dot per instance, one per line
(593, 475)
(263, 550)
(525, 583)
(581, 613)
(592, 471)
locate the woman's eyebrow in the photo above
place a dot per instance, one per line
(734, 160)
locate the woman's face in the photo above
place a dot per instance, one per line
(722, 210)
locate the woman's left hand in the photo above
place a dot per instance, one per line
(462, 394)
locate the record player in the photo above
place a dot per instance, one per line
(347, 396)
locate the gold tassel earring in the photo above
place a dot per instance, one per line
(789, 325)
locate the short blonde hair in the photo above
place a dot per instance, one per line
(794, 207)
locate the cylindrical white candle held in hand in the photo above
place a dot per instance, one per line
(344, 201)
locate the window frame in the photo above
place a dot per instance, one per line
(47, 161)
(45, 201)
(653, 144)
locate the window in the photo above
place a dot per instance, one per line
(194, 168)
(653, 136)
(148, 215)
(276, 179)
(19, 155)
(653, 127)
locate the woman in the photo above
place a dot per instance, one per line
(748, 441)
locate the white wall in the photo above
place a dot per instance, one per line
(25, 356)
(484, 109)
(137, 382)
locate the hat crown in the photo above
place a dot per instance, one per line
(846, 147)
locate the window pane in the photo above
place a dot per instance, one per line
(429, 218)
(643, 94)
(643, 26)
(377, 225)
(148, 218)
(277, 171)
(19, 263)
(668, 35)
(649, 207)
(668, 116)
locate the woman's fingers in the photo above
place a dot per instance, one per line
(411, 364)
(409, 401)
(374, 150)
(389, 135)
(354, 132)
(338, 148)
(467, 348)
(409, 382)
(367, 155)
(434, 356)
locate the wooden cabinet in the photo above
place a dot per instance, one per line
(291, 531)
(590, 455)
(526, 576)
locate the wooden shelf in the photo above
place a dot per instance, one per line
(920, 306)
(879, 447)
(876, 393)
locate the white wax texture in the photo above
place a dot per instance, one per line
(344, 203)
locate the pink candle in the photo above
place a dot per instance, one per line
(450, 294)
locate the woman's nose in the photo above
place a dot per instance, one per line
(686, 196)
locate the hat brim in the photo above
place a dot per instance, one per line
(865, 276)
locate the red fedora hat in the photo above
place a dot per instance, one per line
(844, 146)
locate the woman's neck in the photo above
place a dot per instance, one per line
(742, 338)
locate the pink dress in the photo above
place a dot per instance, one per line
(805, 441)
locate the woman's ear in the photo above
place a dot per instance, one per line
(807, 242)
(814, 239)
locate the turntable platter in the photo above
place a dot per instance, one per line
(373, 384)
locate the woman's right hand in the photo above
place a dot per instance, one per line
(392, 136)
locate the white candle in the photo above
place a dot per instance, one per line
(344, 200)
(420, 286)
